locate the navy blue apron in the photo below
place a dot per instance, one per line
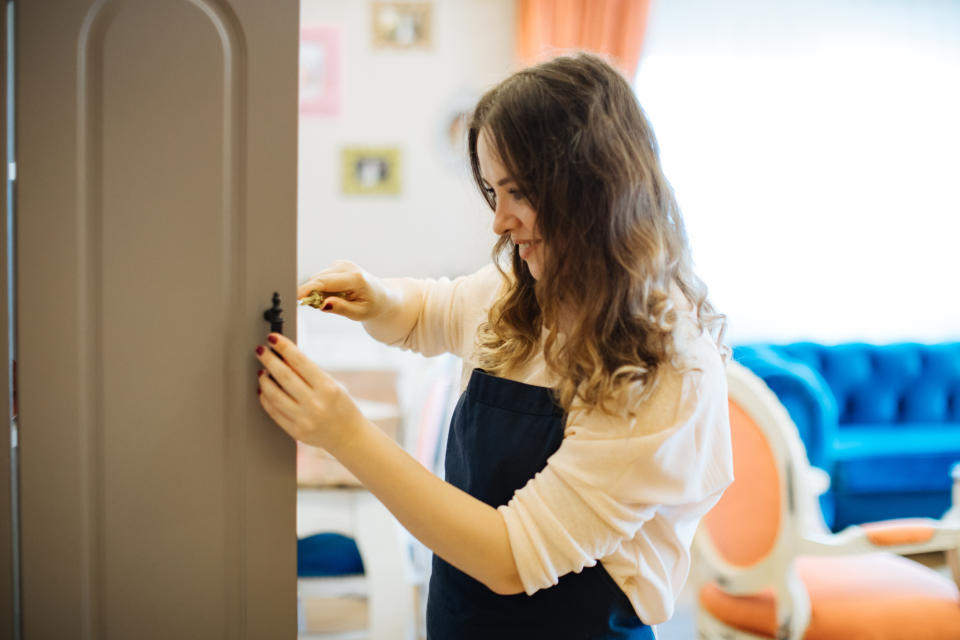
(501, 435)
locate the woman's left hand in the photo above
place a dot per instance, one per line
(303, 399)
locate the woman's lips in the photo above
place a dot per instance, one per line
(527, 248)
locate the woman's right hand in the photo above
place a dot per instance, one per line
(350, 291)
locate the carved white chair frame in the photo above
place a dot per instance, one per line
(802, 530)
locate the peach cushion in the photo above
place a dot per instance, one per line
(902, 531)
(753, 497)
(878, 596)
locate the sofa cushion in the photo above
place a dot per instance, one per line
(918, 457)
(903, 382)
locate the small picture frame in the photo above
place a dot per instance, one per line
(371, 170)
(319, 71)
(402, 25)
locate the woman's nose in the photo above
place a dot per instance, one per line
(502, 220)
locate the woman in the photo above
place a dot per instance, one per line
(593, 433)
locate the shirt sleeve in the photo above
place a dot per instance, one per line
(450, 312)
(610, 475)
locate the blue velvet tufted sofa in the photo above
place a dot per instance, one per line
(882, 420)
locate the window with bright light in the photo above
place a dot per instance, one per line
(814, 149)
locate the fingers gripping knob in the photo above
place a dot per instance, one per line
(315, 299)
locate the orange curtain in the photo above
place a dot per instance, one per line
(613, 27)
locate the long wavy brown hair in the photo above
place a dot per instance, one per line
(574, 138)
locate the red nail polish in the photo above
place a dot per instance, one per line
(272, 339)
(328, 306)
(258, 390)
(260, 350)
(260, 373)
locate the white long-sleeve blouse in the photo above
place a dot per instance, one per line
(628, 493)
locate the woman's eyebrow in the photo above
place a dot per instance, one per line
(502, 182)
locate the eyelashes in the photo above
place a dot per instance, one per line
(516, 194)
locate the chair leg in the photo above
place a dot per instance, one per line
(386, 563)
(793, 607)
(953, 561)
(953, 516)
(301, 615)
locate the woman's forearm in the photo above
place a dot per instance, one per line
(466, 532)
(396, 321)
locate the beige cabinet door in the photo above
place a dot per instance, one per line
(156, 216)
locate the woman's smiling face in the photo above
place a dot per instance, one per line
(512, 212)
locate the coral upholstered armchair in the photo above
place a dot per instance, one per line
(767, 567)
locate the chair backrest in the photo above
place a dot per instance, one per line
(758, 512)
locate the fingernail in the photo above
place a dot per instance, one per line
(260, 373)
(258, 391)
(260, 350)
(272, 339)
(328, 306)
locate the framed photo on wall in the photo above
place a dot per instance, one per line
(371, 170)
(319, 71)
(402, 25)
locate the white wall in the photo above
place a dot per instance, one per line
(439, 225)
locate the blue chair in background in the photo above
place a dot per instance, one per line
(328, 554)
(882, 420)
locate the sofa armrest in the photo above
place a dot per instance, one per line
(903, 536)
(804, 393)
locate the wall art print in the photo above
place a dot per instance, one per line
(402, 25)
(371, 170)
(319, 71)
